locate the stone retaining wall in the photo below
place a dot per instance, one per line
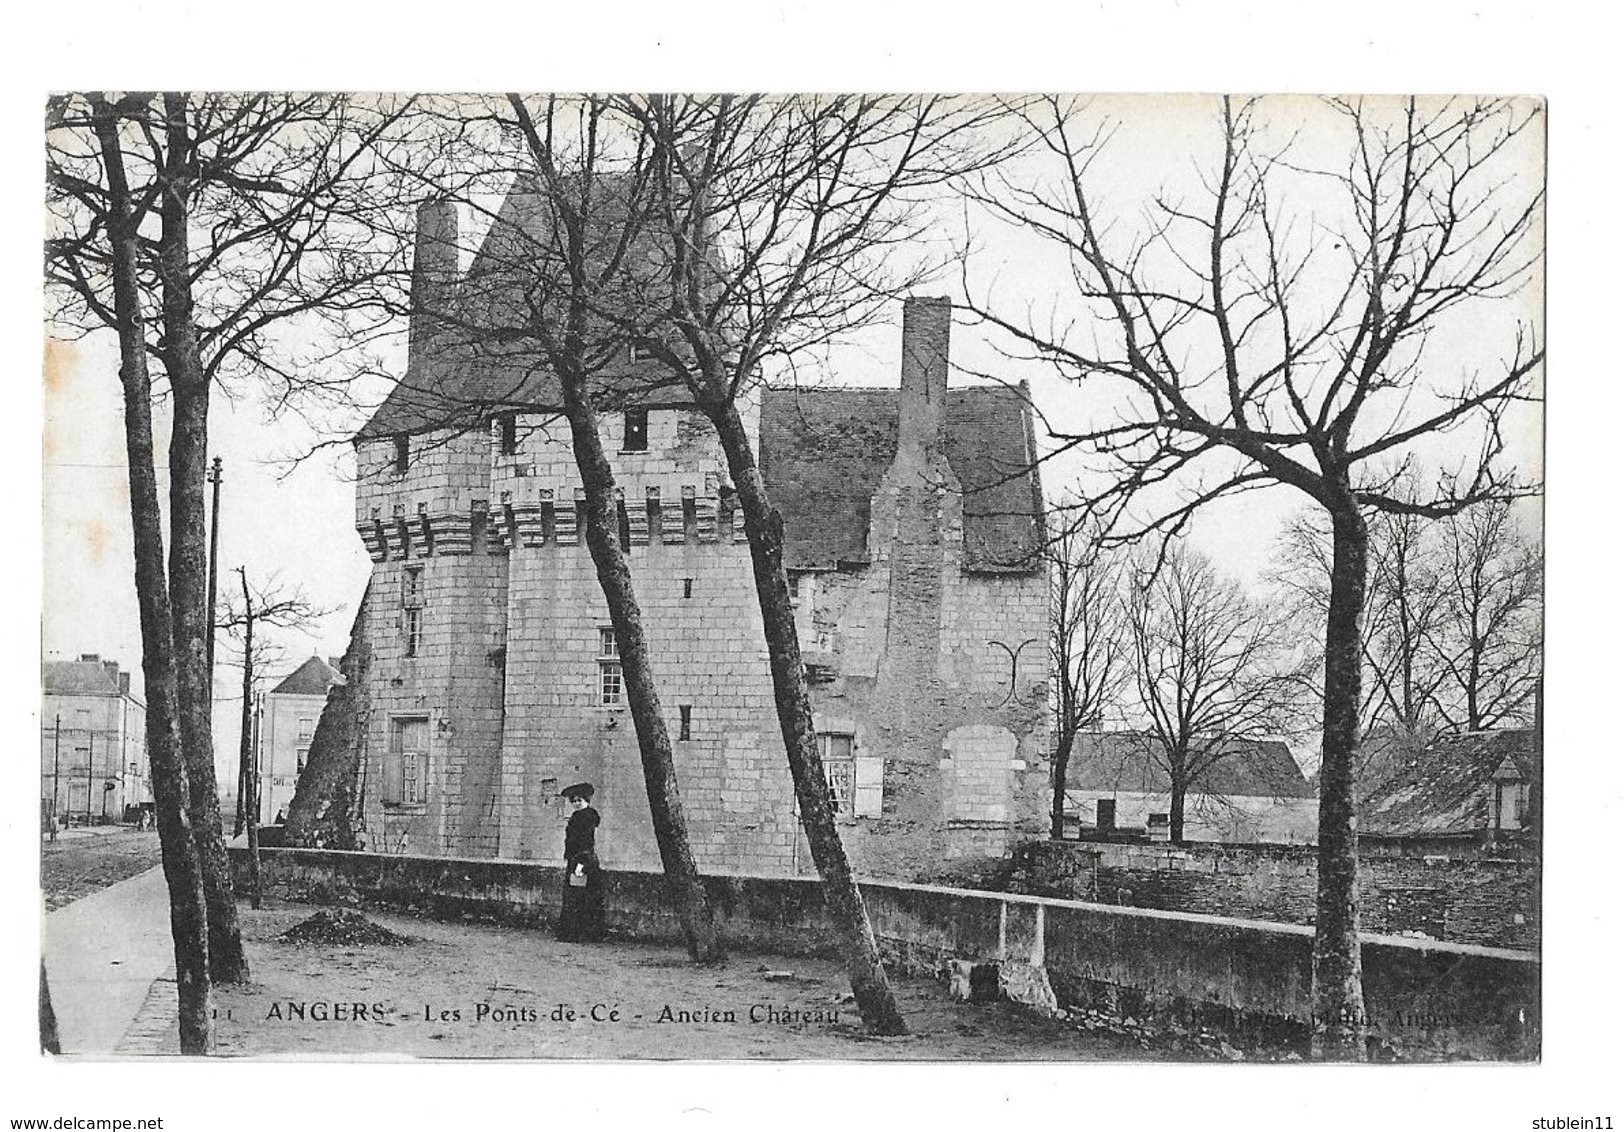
(1247, 979)
(1481, 900)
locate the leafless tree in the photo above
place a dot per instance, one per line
(1452, 626)
(116, 214)
(1404, 613)
(554, 288)
(1210, 667)
(1490, 641)
(1090, 651)
(783, 219)
(234, 219)
(584, 286)
(272, 607)
(1283, 326)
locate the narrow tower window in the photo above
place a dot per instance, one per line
(635, 437)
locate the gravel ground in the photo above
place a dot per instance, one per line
(80, 862)
(480, 991)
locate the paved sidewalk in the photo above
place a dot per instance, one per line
(102, 955)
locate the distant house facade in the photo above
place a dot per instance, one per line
(912, 521)
(93, 749)
(1256, 793)
(1472, 790)
(288, 716)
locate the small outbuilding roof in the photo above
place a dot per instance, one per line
(1130, 760)
(312, 678)
(1447, 786)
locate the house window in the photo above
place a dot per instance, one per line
(411, 609)
(403, 454)
(685, 720)
(307, 727)
(840, 768)
(300, 756)
(406, 769)
(635, 436)
(508, 428)
(609, 682)
(687, 587)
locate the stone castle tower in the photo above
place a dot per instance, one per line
(912, 519)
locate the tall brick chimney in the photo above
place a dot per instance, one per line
(927, 324)
(434, 272)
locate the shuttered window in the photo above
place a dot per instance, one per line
(406, 768)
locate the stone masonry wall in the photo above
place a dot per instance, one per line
(691, 570)
(431, 519)
(966, 748)
(1248, 980)
(1481, 900)
(508, 668)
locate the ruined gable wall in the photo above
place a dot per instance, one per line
(916, 679)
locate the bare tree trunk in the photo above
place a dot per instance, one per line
(188, 553)
(1062, 763)
(188, 917)
(1339, 1021)
(1180, 790)
(48, 1039)
(765, 527)
(653, 737)
(322, 812)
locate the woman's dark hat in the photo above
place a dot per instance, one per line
(581, 790)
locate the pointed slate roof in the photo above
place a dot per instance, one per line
(483, 360)
(312, 678)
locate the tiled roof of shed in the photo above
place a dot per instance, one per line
(1446, 787)
(824, 451)
(1127, 760)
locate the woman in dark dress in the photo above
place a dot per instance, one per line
(581, 919)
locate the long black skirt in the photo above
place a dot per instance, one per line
(581, 918)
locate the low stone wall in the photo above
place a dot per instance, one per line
(1247, 979)
(1479, 900)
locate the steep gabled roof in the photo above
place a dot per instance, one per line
(1445, 787)
(1128, 760)
(482, 360)
(312, 678)
(825, 450)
